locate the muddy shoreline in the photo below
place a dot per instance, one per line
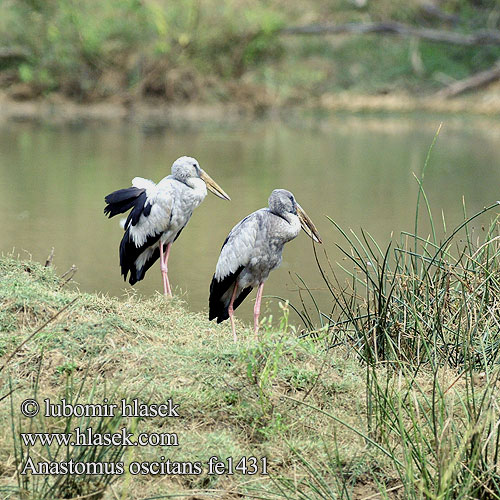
(57, 110)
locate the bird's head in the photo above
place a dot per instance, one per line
(282, 202)
(185, 168)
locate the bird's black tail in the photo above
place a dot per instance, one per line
(119, 202)
(129, 253)
(219, 299)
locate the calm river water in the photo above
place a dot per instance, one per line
(357, 170)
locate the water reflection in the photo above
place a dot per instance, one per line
(359, 172)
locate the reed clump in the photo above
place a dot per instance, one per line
(421, 300)
(422, 315)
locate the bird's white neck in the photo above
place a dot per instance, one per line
(287, 232)
(198, 186)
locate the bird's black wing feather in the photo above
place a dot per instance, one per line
(129, 253)
(216, 307)
(140, 207)
(152, 259)
(241, 297)
(140, 273)
(119, 202)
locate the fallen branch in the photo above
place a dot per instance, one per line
(473, 82)
(482, 37)
(13, 53)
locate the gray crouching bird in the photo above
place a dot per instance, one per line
(251, 251)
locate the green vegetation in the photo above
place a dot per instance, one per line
(394, 392)
(230, 396)
(423, 308)
(218, 51)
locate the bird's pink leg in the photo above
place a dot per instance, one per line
(164, 271)
(168, 252)
(230, 310)
(256, 309)
(169, 290)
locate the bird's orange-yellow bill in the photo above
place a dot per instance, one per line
(308, 225)
(213, 186)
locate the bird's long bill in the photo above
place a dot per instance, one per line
(307, 225)
(213, 186)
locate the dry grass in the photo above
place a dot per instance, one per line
(231, 397)
(330, 425)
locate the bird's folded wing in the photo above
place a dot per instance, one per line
(152, 216)
(238, 247)
(141, 183)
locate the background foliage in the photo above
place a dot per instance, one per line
(216, 50)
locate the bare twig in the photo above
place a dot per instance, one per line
(9, 393)
(70, 273)
(480, 37)
(71, 269)
(52, 318)
(375, 495)
(48, 262)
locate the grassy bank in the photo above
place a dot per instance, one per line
(391, 394)
(228, 52)
(231, 397)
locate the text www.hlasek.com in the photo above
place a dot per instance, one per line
(121, 438)
(89, 438)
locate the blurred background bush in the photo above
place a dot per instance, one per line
(217, 51)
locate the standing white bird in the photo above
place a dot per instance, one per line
(251, 251)
(159, 214)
